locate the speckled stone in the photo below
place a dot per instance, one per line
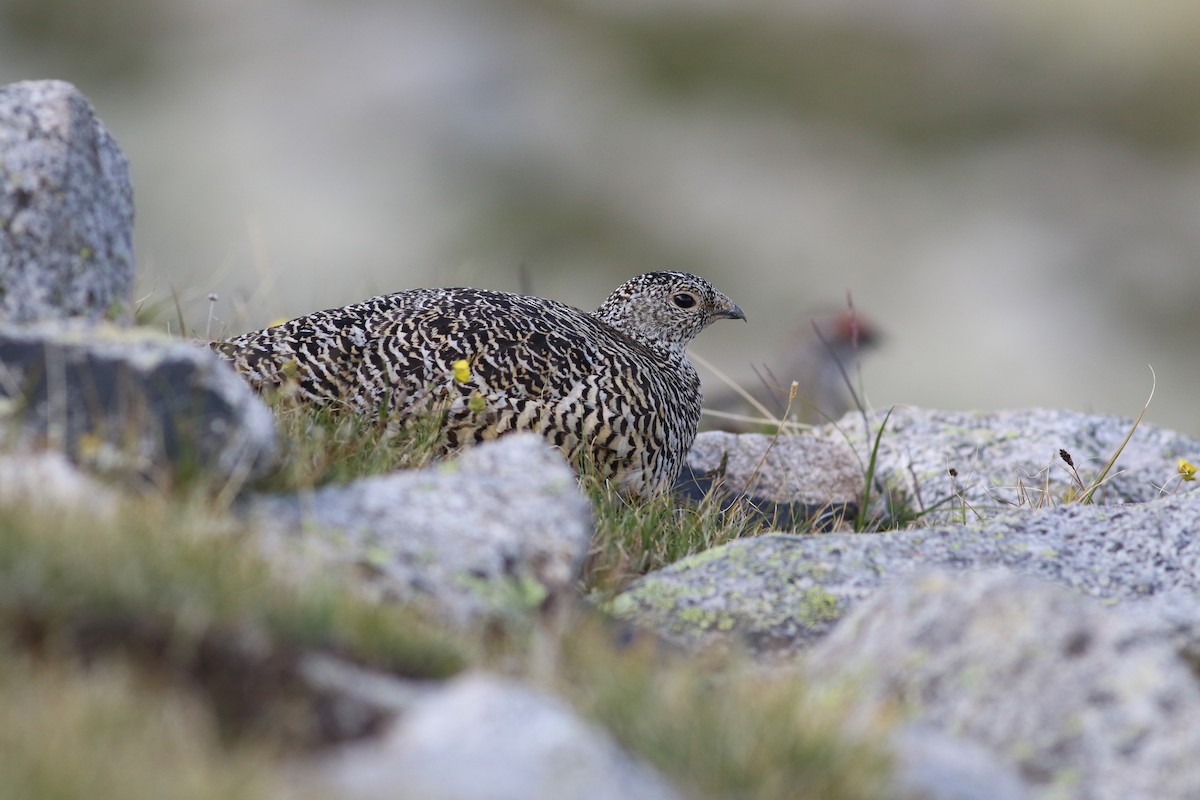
(932, 765)
(1001, 460)
(130, 401)
(48, 481)
(1009, 459)
(493, 532)
(1084, 698)
(788, 469)
(66, 208)
(779, 593)
(486, 737)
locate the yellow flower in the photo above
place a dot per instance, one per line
(462, 370)
(90, 445)
(1187, 471)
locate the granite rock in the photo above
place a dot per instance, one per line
(778, 593)
(932, 765)
(793, 468)
(130, 401)
(481, 737)
(1080, 696)
(965, 466)
(494, 531)
(48, 482)
(66, 208)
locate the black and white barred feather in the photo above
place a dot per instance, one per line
(616, 382)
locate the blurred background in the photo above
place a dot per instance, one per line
(1008, 190)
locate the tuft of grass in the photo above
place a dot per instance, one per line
(860, 522)
(188, 595)
(331, 445)
(634, 537)
(718, 727)
(898, 513)
(102, 732)
(1085, 498)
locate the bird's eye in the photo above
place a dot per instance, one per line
(684, 300)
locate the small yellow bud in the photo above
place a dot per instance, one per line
(90, 445)
(1187, 471)
(462, 370)
(476, 402)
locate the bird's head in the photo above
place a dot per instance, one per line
(665, 310)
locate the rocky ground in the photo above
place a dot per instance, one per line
(999, 610)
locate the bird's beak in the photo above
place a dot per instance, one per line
(730, 311)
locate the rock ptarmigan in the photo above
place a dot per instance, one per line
(616, 383)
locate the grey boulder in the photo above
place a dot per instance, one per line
(48, 482)
(779, 593)
(130, 401)
(932, 765)
(66, 208)
(495, 531)
(784, 469)
(1086, 700)
(481, 737)
(949, 466)
(953, 466)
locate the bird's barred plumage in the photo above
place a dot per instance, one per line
(616, 382)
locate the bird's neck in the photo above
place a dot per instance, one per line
(650, 333)
(669, 351)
